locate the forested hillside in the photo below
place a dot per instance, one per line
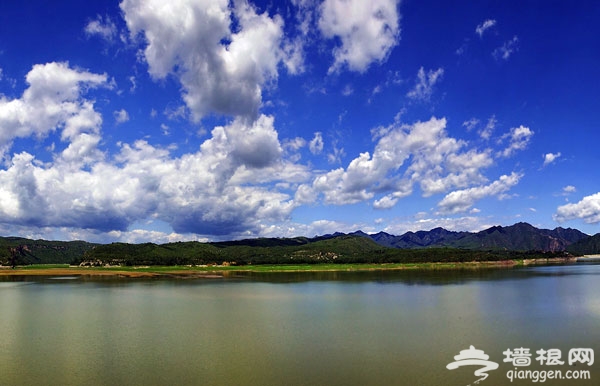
(497, 243)
(338, 249)
(21, 251)
(587, 246)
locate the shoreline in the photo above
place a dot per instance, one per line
(219, 271)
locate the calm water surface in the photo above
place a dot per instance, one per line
(371, 328)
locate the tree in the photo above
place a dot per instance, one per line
(13, 257)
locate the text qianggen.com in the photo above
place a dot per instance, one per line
(543, 375)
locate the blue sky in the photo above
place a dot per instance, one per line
(211, 119)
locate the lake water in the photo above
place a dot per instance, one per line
(344, 328)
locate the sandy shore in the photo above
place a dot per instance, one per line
(222, 271)
(73, 272)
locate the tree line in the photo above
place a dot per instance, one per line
(342, 249)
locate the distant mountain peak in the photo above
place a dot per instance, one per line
(521, 236)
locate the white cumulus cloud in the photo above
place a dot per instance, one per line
(52, 101)
(462, 200)
(437, 163)
(221, 70)
(207, 192)
(236, 180)
(367, 30)
(588, 210)
(385, 202)
(550, 157)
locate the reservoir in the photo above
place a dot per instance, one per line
(314, 328)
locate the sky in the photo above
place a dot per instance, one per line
(155, 121)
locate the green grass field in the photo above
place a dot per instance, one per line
(267, 267)
(131, 271)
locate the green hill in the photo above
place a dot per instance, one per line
(252, 251)
(21, 251)
(438, 245)
(587, 246)
(338, 249)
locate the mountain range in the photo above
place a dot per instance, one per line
(520, 237)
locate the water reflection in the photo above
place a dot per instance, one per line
(423, 277)
(311, 328)
(406, 276)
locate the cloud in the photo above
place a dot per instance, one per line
(255, 146)
(35, 195)
(438, 175)
(121, 116)
(486, 131)
(293, 56)
(316, 144)
(233, 184)
(241, 180)
(207, 192)
(424, 86)
(437, 163)
(385, 202)
(294, 144)
(519, 138)
(51, 101)
(507, 49)
(367, 31)
(569, 189)
(471, 124)
(550, 157)
(318, 227)
(462, 49)
(306, 15)
(336, 154)
(462, 200)
(347, 90)
(133, 84)
(136, 236)
(176, 112)
(588, 210)
(221, 70)
(489, 128)
(237, 183)
(425, 223)
(481, 28)
(103, 27)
